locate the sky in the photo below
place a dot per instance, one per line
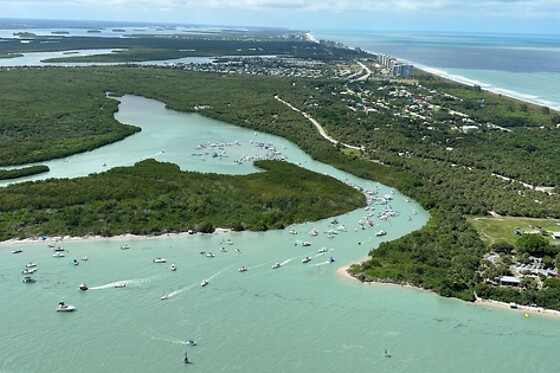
(507, 16)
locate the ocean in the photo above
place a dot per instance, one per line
(518, 65)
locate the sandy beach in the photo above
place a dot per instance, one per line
(59, 240)
(526, 311)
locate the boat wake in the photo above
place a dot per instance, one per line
(218, 273)
(123, 282)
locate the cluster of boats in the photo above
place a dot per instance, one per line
(29, 269)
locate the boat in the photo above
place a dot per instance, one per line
(31, 265)
(306, 243)
(173, 267)
(83, 287)
(119, 285)
(293, 231)
(164, 297)
(204, 283)
(17, 251)
(63, 307)
(85, 258)
(323, 250)
(58, 249)
(28, 280)
(313, 232)
(381, 233)
(159, 260)
(74, 262)
(223, 250)
(125, 247)
(209, 254)
(238, 251)
(190, 342)
(306, 259)
(276, 265)
(330, 260)
(243, 269)
(58, 254)
(28, 271)
(387, 354)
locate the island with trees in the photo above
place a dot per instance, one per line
(462, 152)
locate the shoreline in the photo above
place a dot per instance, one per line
(526, 311)
(119, 237)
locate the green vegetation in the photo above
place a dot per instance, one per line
(21, 172)
(427, 156)
(155, 198)
(494, 229)
(10, 55)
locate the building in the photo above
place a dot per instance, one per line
(509, 281)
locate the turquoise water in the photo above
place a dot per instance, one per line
(522, 66)
(298, 318)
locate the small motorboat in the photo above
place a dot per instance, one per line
(381, 233)
(28, 271)
(31, 265)
(164, 297)
(223, 250)
(238, 251)
(243, 269)
(58, 254)
(160, 260)
(306, 243)
(209, 254)
(306, 259)
(119, 285)
(74, 262)
(323, 250)
(17, 251)
(85, 258)
(293, 231)
(125, 247)
(173, 267)
(63, 307)
(58, 249)
(204, 283)
(330, 260)
(28, 280)
(276, 265)
(229, 241)
(83, 287)
(313, 232)
(190, 342)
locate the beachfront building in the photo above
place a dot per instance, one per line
(395, 67)
(509, 281)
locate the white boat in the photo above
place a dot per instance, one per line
(173, 267)
(85, 258)
(17, 251)
(119, 285)
(204, 283)
(83, 287)
(223, 250)
(160, 260)
(31, 265)
(190, 342)
(381, 233)
(58, 249)
(125, 247)
(63, 307)
(238, 251)
(28, 271)
(58, 254)
(28, 280)
(74, 262)
(209, 254)
(276, 265)
(243, 269)
(164, 297)
(293, 231)
(323, 250)
(306, 243)
(306, 259)
(313, 232)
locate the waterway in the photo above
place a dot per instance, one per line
(297, 318)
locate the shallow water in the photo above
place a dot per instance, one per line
(297, 318)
